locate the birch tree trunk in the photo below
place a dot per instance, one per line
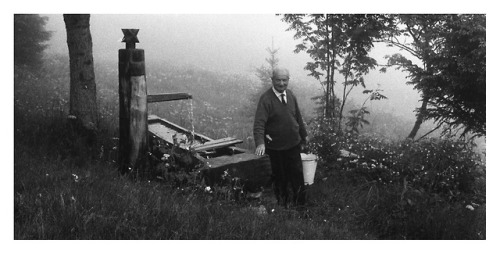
(83, 99)
(420, 118)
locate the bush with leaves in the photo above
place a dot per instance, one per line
(443, 166)
(419, 190)
(407, 189)
(325, 141)
(357, 120)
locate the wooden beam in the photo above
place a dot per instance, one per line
(154, 119)
(224, 142)
(254, 170)
(168, 97)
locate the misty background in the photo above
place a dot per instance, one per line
(230, 43)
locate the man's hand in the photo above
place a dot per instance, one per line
(260, 150)
(303, 144)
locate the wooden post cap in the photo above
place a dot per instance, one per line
(130, 37)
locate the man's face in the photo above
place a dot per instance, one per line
(280, 81)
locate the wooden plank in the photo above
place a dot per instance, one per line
(224, 142)
(217, 141)
(154, 119)
(215, 146)
(168, 97)
(254, 170)
(162, 132)
(232, 159)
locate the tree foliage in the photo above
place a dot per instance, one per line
(264, 73)
(459, 99)
(452, 77)
(30, 37)
(317, 37)
(361, 30)
(337, 42)
(357, 118)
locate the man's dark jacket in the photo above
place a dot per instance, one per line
(282, 122)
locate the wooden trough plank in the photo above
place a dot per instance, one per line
(168, 97)
(255, 170)
(165, 130)
(224, 142)
(153, 119)
(216, 141)
(162, 132)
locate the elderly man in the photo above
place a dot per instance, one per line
(279, 131)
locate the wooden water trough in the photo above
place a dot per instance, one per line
(216, 156)
(139, 130)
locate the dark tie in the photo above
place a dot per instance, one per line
(283, 99)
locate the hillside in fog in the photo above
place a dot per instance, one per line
(228, 43)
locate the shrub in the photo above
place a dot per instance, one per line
(325, 141)
(407, 189)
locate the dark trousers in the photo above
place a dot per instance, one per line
(286, 166)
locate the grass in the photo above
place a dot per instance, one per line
(67, 197)
(58, 199)
(67, 187)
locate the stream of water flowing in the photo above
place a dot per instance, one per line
(192, 140)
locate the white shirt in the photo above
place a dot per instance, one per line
(278, 94)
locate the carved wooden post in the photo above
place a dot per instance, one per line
(133, 106)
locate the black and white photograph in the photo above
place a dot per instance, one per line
(291, 124)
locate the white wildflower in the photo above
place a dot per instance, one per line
(261, 210)
(75, 178)
(165, 157)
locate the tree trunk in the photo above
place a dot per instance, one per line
(420, 118)
(332, 74)
(341, 111)
(83, 99)
(328, 57)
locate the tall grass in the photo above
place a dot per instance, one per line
(62, 198)
(68, 187)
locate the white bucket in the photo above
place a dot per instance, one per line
(309, 163)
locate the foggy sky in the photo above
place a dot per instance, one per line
(233, 43)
